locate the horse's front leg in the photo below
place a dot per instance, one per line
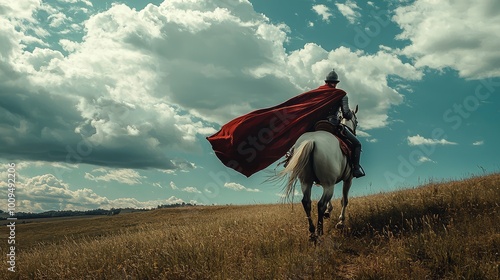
(345, 200)
(306, 203)
(322, 205)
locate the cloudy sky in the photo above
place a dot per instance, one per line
(107, 104)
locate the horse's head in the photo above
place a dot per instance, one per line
(352, 124)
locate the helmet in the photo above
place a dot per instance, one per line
(332, 77)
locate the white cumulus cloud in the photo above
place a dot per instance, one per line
(46, 192)
(125, 176)
(419, 140)
(322, 11)
(349, 9)
(173, 186)
(239, 187)
(461, 35)
(191, 190)
(423, 159)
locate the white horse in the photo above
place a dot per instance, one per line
(317, 157)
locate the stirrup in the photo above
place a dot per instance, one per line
(358, 172)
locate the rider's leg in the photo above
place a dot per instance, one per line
(356, 153)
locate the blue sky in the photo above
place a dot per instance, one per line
(107, 104)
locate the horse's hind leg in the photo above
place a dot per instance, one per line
(344, 202)
(306, 202)
(322, 205)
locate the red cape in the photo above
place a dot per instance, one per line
(254, 141)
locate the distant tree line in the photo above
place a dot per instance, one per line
(65, 213)
(175, 205)
(69, 213)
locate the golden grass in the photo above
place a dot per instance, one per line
(445, 230)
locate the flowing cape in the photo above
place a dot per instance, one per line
(254, 141)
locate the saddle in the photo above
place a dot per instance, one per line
(337, 130)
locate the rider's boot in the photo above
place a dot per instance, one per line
(357, 170)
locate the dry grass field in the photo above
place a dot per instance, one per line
(448, 230)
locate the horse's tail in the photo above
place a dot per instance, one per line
(298, 167)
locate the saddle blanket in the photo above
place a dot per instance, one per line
(327, 126)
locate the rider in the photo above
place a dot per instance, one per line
(332, 79)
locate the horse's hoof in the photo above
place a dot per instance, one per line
(340, 225)
(313, 238)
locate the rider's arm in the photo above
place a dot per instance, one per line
(344, 106)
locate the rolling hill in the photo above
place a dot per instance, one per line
(441, 230)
